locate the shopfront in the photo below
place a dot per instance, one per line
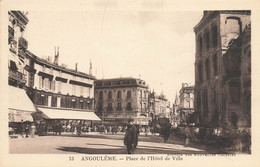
(20, 109)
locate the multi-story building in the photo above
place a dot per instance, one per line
(186, 106)
(213, 35)
(57, 88)
(20, 106)
(159, 105)
(237, 80)
(120, 99)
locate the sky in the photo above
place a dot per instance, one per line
(155, 45)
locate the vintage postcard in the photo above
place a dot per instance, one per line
(129, 83)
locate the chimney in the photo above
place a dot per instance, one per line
(184, 85)
(90, 68)
(76, 66)
(56, 56)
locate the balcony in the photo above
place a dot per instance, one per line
(23, 43)
(15, 75)
(10, 32)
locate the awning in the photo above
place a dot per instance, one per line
(18, 100)
(18, 116)
(59, 113)
(19, 105)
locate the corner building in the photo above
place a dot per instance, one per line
(51, 85)
(213, 35)
(120, 99)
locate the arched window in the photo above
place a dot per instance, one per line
(119, 94)
(119, 106)
(109, 107)
(129, 94)
(214, 32)
(215, 64)
(207, 65)
(110, 95)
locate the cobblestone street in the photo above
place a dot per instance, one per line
(102, 144)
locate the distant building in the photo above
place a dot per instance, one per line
(120, 99)
(159, 105)
(186, 106)
(217, 96)
(175, 116)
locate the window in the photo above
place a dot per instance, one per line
(215, 36)
(81, 105)
(207, 65)
(89, 106)
(73, 104)
(109, 95)
(46, 83)
(215, 64)
(119, 94)
(50, 84)
(200, 44)
(200, 71)
(129, 106)
(109, 107)
(31, 79)
(207, 40)
(12, 65)
(49, 101)
(205, 102)
(42, 100)
(100, 95)
(58, 102)
(40, 82)
(119, 106)
(129, 95)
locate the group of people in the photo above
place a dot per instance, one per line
(131, 138)
(26, 129)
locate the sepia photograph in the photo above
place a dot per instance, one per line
(113, 83)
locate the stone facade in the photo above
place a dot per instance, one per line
(213, 35)
(53, 85)
(121, 99)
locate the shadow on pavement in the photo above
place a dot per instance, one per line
(83, 150)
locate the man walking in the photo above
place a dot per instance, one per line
(130, 139)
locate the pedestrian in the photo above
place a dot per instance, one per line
(79, 129)
(137, 134)
(130, 138)
(22, 128)
(166, 134)
(68, 127)
(27, 130)
(59, 126)
(187, 136)
(33, 129)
